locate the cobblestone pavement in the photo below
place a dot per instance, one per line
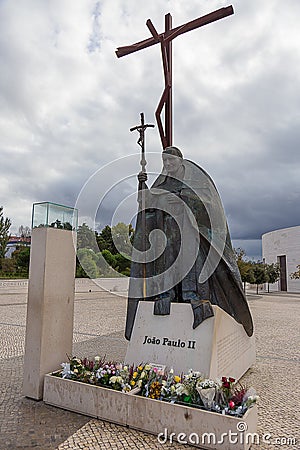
(99, 328)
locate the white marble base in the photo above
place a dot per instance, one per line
(170, 422)
(218, 347)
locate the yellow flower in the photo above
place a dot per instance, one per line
(140, 368)
(176, 379)
(132, 382)
(135, 374)
(75, 370)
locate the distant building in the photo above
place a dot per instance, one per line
(283, 247)
(14, 242)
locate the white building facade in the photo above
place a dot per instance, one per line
(283, 247)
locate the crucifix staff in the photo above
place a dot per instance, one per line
(165, 40)
(142, 189)
(141, 141)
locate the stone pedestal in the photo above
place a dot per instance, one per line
(50, 308)
(218, 347)
(169, 422)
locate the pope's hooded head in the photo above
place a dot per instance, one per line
(173, 151)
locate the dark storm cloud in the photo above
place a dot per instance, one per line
(67, 102)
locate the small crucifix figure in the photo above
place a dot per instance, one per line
(141, 141)
(165, 40)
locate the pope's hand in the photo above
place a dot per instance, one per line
(142, 177)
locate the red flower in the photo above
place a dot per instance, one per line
(226, 385)
(232, 380)
(231, 404)
(224, 379)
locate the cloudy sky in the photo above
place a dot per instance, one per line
(67, 103)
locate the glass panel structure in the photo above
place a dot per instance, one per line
(53, 215)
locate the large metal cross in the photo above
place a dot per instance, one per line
(165, 40)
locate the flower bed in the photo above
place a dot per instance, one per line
(132, 396)
(192, 389)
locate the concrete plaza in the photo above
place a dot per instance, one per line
(98, 330)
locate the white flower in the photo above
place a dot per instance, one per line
(97, 358)
(113, 379)
(181, 389)
(142, 375)
(252, 398)
(66, 366)
(100, 372)
(171, 371)
(116, 379)
(66, 370)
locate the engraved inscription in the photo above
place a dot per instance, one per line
(230, 348)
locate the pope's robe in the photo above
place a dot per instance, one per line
(183, 249)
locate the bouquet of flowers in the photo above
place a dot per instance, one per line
(224, 396)
(207, 391)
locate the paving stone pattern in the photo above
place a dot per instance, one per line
(98, 330)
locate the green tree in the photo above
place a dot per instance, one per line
(109, 258)
(121, 234)
(245, 267)
(273, 273)
(86, 238)
(86, 266)
(89, 267)
(296, 275)
(86, 252)
(105, 240)
(114, 245)
(260, 274)
(8, 267)
(5, 224)
(117, 239)
(105, 263)
(122, 264)
(22, 257)
(86, 263)
(80, 273)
